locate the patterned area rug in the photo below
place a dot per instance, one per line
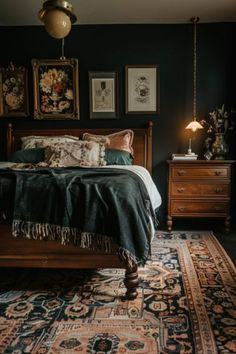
(186, 304)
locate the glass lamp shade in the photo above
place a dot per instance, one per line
(194, 125)
(57, 23)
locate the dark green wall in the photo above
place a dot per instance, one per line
(111, 47)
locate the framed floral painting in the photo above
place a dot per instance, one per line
(142, 89)
(56, 89)
(14, 91)
(103, 95)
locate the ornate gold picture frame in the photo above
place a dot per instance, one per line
(56, 89)
(14, 100)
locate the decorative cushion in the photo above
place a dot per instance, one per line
(80, 153)
(35, 155)
(122, 140)
(118, 157)
(33, 141)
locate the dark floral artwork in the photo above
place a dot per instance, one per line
(56, 89)
(14, 95)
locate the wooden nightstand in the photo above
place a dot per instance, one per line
(199, 188)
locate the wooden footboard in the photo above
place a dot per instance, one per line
(24, 253)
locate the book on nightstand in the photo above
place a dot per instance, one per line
(185, 157)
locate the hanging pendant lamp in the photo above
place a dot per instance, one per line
(194, 125)
(58, 16)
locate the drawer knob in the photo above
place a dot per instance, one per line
(181, 172)
(218, 190)
(218, 208)
(180, 189)
(181, 209)
(44, 260)
(218, 173)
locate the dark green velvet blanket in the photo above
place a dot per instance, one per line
(85, 206)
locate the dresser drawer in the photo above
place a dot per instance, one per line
(185, 172)
(199, 189)
(200, 208)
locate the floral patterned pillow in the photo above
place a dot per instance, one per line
(80, 153)
(122, 140)
(37, 141)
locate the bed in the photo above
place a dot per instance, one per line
(36, 253)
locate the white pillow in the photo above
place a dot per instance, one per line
(36, 141)
(80, 153)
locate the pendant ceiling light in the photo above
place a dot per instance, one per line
(194, 124)
(58, 16)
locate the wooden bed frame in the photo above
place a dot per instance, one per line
(50, 254)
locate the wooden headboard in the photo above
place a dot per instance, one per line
(142, 144)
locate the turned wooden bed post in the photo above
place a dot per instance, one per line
(131, 282)
(149, 147)
(9, 140)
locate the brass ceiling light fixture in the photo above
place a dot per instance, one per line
(58, 16)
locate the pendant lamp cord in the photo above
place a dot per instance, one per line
(63, 49)
(195, 21)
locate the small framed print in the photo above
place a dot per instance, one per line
(103, 95)
(142, 89)
(14, 91)
(208, 155)
(56, 89)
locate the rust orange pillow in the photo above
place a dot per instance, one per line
(121, 140)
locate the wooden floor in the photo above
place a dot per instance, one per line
(227, 240)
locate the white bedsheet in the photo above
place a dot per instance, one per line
(6, 164)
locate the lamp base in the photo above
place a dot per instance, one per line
(190, 152)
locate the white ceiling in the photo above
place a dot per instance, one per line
(24, 12)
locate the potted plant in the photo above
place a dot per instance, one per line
(218, 124)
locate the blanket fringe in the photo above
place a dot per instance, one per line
(51, 232)
(126, 257)
(66, 235)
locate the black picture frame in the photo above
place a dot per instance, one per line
(103, 94)
(142, 89)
